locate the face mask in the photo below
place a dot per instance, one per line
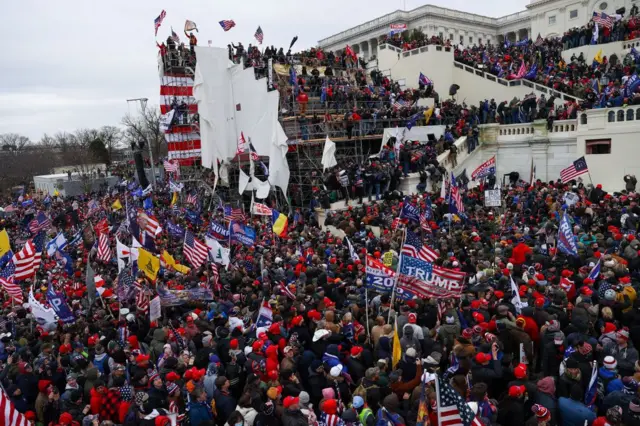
(239, 424)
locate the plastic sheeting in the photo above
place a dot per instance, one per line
(417, 133)
(329, 154)
(231, 101)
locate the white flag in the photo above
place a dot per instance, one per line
(352, 251)
(124, 253)
(43, 315)
(329, 154)
(165, 120)
(218, 253)
(135, 245)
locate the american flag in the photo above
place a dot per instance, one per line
(174, 36)
(172, 167)
(8, 413)
(39, 223)
(24, 261)
(456, 197)
(227, 24)
(216, 277)
(192, 199)
(579, 167)
(142, 302)
(158, 21)
(539, 40)
(195, 252)
(413, 247)
(8, 284)
(148, 222)
(285, 290)
(452, 408)
(104, 251)
(442, 309)
(400, 104)
(259, 35)
(242, 144)
(235, 215)
(602, 19)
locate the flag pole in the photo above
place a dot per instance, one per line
(395, 282)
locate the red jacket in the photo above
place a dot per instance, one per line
(97, 399)
(531, 328)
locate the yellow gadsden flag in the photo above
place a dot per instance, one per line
(117, 205)
(396, 353)
(148, 263)
(170, 261)
(5, 245)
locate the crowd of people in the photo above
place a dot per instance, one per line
(287, 331)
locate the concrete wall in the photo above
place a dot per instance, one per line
(433, 61)
(609, 169)
(620, 48)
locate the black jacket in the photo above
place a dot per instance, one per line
(511, 411)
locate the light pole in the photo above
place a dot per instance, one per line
(143, 107)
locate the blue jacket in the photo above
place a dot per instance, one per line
(199, 412)
(574, 413)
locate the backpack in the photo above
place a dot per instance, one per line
(361, 390)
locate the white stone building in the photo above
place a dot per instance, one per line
(549, 18)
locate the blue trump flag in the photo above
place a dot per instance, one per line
(175, 230)
(409, 211)
(566, 239)
(242, 234)
(59, 305)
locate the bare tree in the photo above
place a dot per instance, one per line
(112, 138)
(146, 128)
(13, 142)
(47, 142)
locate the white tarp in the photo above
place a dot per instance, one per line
(243, 183)
(329, 154)
(231, 101)
(417, 133)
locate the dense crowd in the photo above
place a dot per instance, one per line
(285, 333)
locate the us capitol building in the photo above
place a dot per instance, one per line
(549, 18)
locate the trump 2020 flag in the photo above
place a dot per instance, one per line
(566, 240)
(59, 304)
(409, 211)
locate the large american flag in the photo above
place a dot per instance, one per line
(235, 215)
(195, 252)
(39, 223)
(452, 408)
(259, 35)
(27, 260)
(158, 21)
(603, 19)
(142, 302)
(413, 247)
(8, 413)
(401, 104)
(227, 24)
(8, 284)
(104, 251)
(579, 167)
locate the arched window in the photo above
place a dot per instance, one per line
(630, 115)
(638, 114)
(583, 118)
(620, 115)
(611, 117)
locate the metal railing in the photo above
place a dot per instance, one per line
(515, 83)
(303, 130)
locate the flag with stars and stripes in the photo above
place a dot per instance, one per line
(7, 283)
(259, 35)
(413, 247)
(216, 277)
(39, 223)
(452, 408)
(427, 280)
(195, 252)
(158, 21)
(455, 203)
(192, 199)
(9, 415)
(236, 215)
(142, 302)
(104, 251)
(227, 24)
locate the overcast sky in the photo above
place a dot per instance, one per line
(72, 64)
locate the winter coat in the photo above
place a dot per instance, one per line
(574, 413)
(225, 405)
(294, 418)
(248, 413)
(199, 413)
(96, 401)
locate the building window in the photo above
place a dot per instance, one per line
(479, 41)
(441, 36)
(552, 20)
(470, 40)
(451, 37)
(461, 39)
(598, 146)
(603, 5)
(573, 14)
